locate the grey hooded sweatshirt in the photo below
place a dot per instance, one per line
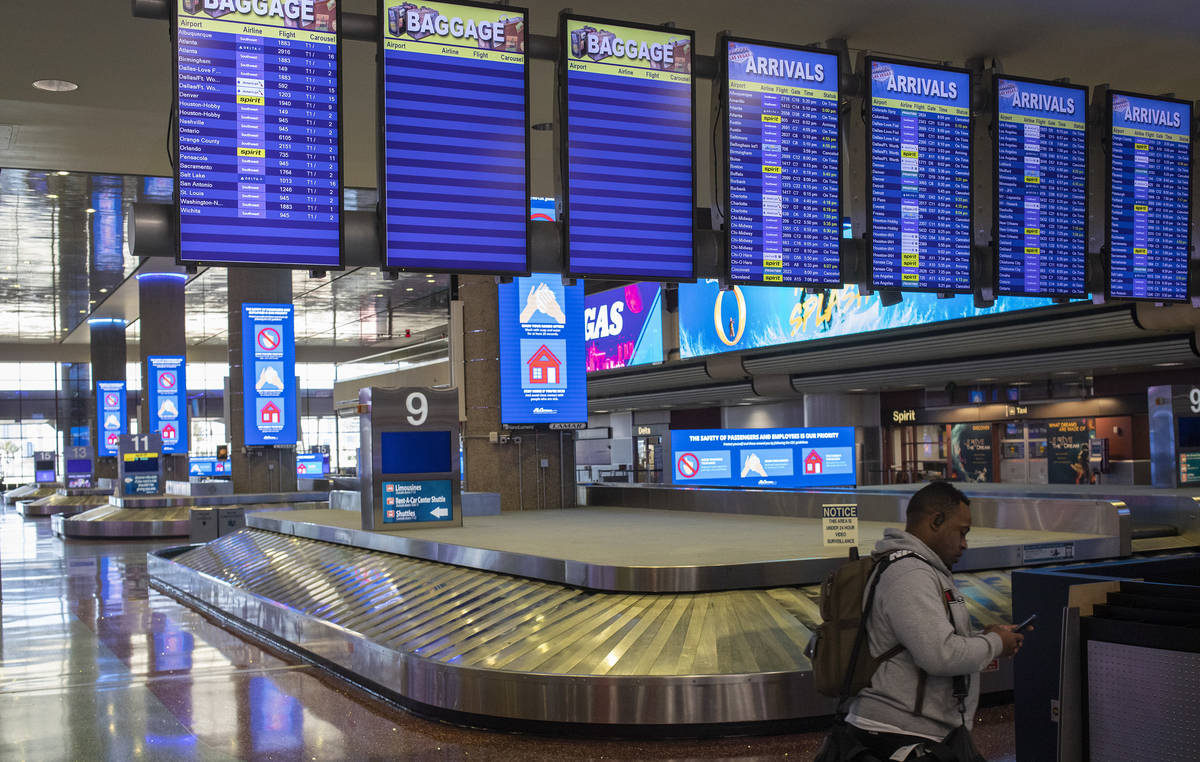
(910, 609)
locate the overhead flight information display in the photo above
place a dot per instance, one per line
(1041, 188)
(628, 149)
(258, 171)
(784, 184)
(1149, 199)
(455, 143)
(919, 154)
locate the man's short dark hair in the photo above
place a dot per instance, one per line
(933, 498)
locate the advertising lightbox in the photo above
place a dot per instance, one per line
(788, 458)
(168, 401)
(269, 374)
(542, 376)
(623, 326)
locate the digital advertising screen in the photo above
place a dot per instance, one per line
(919, 159)
(1149, 197)
(258, 133)
(415, 452)
(542, 376)
(168, 401)
(789, 458)
(455, 139)
(207, 466)
(269, 374)
(110, 416)
(1041, 188)
(310, 465)
(627, 110)
(782, 156)
(623, 326)
(712, 321)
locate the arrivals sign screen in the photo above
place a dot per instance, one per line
(258, 133)
(1041, 188)
(269, 374)
(453, 86)
(1149, 197)
(919, 155)
(763, 457)
(110, 417)
(784, 190)
(628, 148)
(542, 377)
(623, 326)
(168, 401)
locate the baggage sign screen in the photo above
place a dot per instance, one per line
(455, 141)
(259, 170)
(628, 109)
(919, 154)
(1041, 188)
(1149, 198)
(763, 457)
(784, 188)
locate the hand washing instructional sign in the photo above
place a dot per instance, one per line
(764, 457)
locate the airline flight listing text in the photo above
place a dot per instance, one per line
(783, 165)
(1042, 200)
(1151, 199)
(920, 178)
(258, 139)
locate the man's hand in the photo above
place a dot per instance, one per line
(1012, 640)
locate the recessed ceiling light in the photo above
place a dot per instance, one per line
(1167, 364)
(55, 85)
(90, 210)
(51, 195)
(62, 173)
(104, 290)
(409, 288)
(83, 312)
(379, 295)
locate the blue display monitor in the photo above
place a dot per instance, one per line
(542, 376)
(786, 458)
(269, 374)
(454, 114)
(414, 452)
(628, 149)
(168, 401)
(1041, 186)
(1149, 197)
(919, 178)
(207, 466)
(258, 134)
(311, 465)
(110, 416)
(783, 195)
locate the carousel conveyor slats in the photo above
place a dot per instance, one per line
(482, 644)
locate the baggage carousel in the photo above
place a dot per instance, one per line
(609, 621)
(67, 502)
(168, 516)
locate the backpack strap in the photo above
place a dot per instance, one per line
(860, 637)
(960, 682)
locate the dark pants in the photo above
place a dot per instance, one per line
(883, 745)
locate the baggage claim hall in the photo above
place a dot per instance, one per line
(388, 380)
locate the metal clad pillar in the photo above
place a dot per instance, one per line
(263, 469)
(108, 364)
(160, 295)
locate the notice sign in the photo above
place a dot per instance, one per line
(269, 374)
(839, 525)
(412, 501)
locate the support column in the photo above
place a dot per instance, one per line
(161, 300)
(261, 469)
(108, 364)
(531, 469)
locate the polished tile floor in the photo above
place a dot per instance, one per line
(94, 665)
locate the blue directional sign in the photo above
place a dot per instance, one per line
(110, 417)
(269, 374)
(410, 501)
(167, 396)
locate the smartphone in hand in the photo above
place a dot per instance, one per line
(1023, 625)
